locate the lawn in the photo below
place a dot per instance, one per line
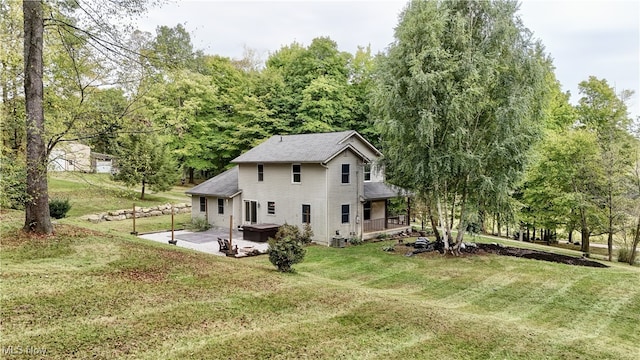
(88, 293)
(95, 291)
(96, 193)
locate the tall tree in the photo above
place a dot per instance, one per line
(93, 25)
(601, 110)
(37, 217)
(459, 98)
(144, 160)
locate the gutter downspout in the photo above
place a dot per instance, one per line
(326, 201)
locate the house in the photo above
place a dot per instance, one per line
(70, 157)
(102, 163)
(327, 180)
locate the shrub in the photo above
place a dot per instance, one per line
(287, 230)
(307, 234)
(13, 187)
(58, 208)
(199, 224)
(383, 236)
(284, 252)
(624, 254)
(355, 241)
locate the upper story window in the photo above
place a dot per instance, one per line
(296, 173)
(345, 173)
(203, 204)
(367, 172)
(271, 207)
(220, 206)
(260, 172)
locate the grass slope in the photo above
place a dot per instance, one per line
(89, 294)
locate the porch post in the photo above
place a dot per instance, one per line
(408, 211)
(386, 213)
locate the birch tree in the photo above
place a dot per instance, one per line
(459, 99)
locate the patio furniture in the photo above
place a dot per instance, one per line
(223, 244)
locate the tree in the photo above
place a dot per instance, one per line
(459, 98)
(37, 218)
(566, 183)
(143, 160)
(601, 110)
(105, 39)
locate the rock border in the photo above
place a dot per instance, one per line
(141, 212)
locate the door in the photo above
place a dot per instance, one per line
(250, 212)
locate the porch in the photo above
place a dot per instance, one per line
(391, 225)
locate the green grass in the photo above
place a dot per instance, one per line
(87, 294)
(96, 193)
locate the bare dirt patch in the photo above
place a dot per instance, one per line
(497, 249)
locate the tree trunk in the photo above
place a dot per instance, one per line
(190, 175)
(610, 244)
(142, 192)
(37, 217)
(434, 223)
(634, 246)
(584, 231)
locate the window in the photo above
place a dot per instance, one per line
(271, 207)
(367, 210)
(203, 204)
(296, 173)
(260, 172)
(345, 214)
(345, 173)
(367, 172)
(220, 206)
(306, 214)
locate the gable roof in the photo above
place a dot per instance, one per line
(304, 148)
(224, 185)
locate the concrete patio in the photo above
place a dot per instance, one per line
(207, 241)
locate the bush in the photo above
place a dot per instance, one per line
(355, 241)
(287, 230)
(13, 187)
(307, 234)
(624, 254)
(58, 208)
(284, 252)
(199, 224)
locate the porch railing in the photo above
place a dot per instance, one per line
(378, 224)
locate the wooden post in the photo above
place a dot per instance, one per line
(231, 233)
(134, 232)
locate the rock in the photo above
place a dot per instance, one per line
(94, 218)
(155, 213)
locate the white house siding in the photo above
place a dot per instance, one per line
(277, 186)
(218, 220)
(345, 194)
(70, 157)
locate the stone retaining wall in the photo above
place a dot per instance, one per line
(119, 215)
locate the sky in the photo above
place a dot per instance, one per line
(583, 37)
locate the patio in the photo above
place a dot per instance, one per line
(207, 241)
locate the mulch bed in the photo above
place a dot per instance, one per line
(498, 249)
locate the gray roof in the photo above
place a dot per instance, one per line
(380, 190)
(303, 148)
(224, 185)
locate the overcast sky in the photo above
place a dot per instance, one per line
(596, 37)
